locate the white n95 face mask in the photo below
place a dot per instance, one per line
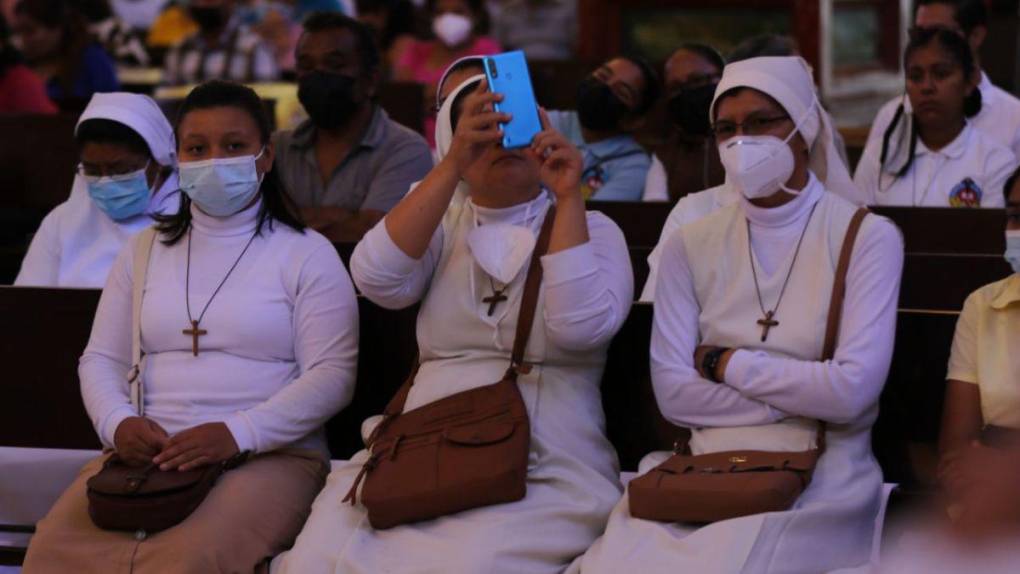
(452, 29)
(221, 186)
(501, 249)
(758, 165)
(1012, 254)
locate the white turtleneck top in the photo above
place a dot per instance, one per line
(588, 288)
(280, 355)
(759, 387)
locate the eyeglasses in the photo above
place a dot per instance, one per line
(753, 126)
(108, 170)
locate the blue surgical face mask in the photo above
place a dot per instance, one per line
(221, 186)
(120, 196)
(1013, 249)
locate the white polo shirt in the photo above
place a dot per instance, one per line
(999, 117)
(969, 172)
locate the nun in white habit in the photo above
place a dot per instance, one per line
(770, 254)
(449, 256)
(120, 184)
(825, 161)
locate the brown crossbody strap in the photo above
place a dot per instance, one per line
(836, 302)
(525, 318)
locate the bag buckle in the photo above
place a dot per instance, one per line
(522, 368)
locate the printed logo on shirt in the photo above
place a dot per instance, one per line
(966, 194)
(593, 182)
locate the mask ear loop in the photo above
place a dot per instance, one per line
(789, 138)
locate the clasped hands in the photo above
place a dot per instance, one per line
(140, 441)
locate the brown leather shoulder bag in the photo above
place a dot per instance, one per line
(723, 485)
(464, 451)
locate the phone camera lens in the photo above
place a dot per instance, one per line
(492, 68)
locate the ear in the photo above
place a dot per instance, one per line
(977, 38)
(265, 163)
(372, 83)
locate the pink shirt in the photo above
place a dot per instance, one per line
(23, 91)
(414, 63)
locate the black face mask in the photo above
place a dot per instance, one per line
(690, 109)
(328, 98)
(207, 18)
(598, 108)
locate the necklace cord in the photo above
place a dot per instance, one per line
(187, 280)
(789, 273)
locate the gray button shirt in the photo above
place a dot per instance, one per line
(375, 174)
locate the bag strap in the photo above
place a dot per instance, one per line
(525, 320)
(139, 271)
(836, 304)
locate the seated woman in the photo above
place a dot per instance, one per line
(982, 406)
(266, 355)
(433, 250)
(749, 286)
(126, 175)
(58, 46)
(931, 155)
(458, 26)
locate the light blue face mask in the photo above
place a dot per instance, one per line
(1013, 249)
(120, 196)
(221, 186)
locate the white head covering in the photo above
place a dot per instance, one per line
(788, 80)
(86, 238)
(442, 81)
(141, 114)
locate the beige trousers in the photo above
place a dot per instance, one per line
(253, 513)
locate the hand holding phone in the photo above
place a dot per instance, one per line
(507, 74)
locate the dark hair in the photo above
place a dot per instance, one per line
(652, 84)
(399, 20)
(95, 10)
(99, 130)
(459, 101)
(276, 204)
(477, 6)
(367, 48)
(706, 52)
(9, 56)
(1010, 182)
(75, 37)
(763, 45)
(958, 48)
(969, 14)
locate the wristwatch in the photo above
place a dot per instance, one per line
(710, 363)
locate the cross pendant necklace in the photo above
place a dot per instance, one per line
(496, 298)
(768, 316)
(195, 332)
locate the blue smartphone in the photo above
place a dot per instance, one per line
(508, 75)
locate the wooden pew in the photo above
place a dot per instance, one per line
(405, 103)
(41, 358)
(37, 161)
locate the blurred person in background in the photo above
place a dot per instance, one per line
(349, 163)
(120, 41)
(689, 160)
(21, 91)
(224, 47)
(458, 27)
(544, 29)
(393, 24)
(56, 42)
(612, 103)
(171, 26)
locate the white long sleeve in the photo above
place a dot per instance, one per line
(389, 277)
(41, 265)
(588, 288)
(279, 358)
(839, 390)
(683, 396)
